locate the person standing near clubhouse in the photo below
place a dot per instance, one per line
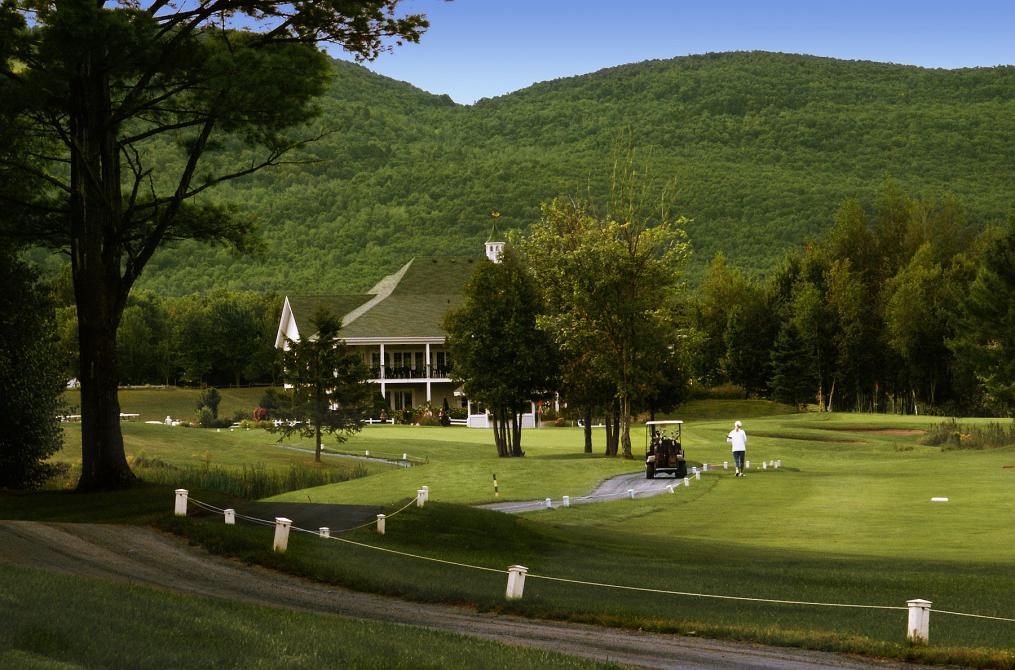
(738, 438)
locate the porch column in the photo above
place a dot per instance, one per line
(428, 373)
(381, 371)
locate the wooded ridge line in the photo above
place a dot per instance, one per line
(763, 149)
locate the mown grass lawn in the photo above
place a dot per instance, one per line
(847, 519)
(54, 622)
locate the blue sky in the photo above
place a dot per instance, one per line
(484, 48)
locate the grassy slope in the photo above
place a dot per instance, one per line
(50, 623)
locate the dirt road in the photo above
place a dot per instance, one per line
(145, 556)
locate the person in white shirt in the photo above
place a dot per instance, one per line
(738, 438)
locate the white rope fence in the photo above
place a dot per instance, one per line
(917, 629)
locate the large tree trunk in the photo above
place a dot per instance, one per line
(95, 205)
(587, 416)
(516, 437)
(625, 422)
(498, 415)
(612, 421)
(103, 462)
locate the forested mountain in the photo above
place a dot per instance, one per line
(763, 147)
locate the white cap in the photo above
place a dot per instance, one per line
(737, 424)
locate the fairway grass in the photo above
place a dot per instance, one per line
(54, 622)
(848, 519)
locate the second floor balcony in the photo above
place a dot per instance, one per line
(390, 372)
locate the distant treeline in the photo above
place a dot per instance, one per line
(902, 306)
(762, 147)
(223, 338)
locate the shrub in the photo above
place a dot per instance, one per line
(252, 482)
(720, 392)
(210, 398)
(951, 435)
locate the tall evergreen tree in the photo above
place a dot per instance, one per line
(30, 376)
(794, 371)
(987, 336)
(330, 393)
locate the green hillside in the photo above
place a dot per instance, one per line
(764, 147)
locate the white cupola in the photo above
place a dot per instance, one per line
(494, 246)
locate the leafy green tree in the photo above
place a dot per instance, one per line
(814, 322)
(918, 322)
(108, 93)
(501, 357)
(330, 393)
(723, 289)
(611, 283)
(30, 375)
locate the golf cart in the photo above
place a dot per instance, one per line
(663, 452)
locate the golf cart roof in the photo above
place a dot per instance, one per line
(663, 423)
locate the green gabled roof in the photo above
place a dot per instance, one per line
(437, 275)
(405, 316)
(429, 287)
(409, 303)
(305, 306)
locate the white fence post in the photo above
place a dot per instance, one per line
(230, 515)
(549, 504)
(180, 509)
(704, 467)
(405, 457)
(687, 481)
(282, 525)
(918, 630)
(764, 465)
(516, 581)
(567, 501)
(725, 465)
(380, 524)
(420, 497)
(669, 487)
(630, 493)
(324, 531)
(426, 493)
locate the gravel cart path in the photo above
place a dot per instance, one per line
(148, 557)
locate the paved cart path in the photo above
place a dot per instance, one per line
(145, 556)
(611, 489)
